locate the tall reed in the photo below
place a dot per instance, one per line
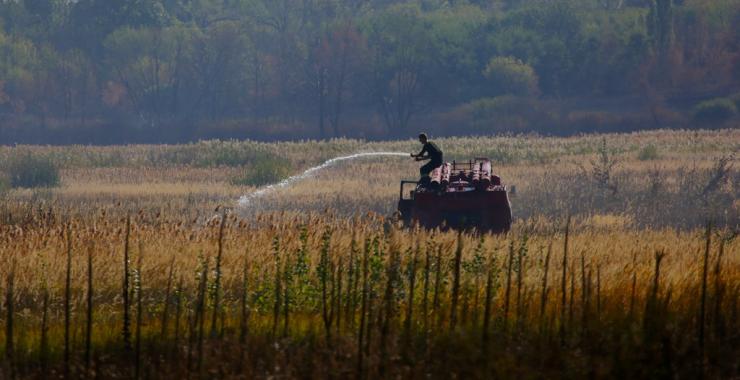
(363, 309)
(139, 311)
(217, 277)
(277, 291)
(563, 283)
(705, 269)
(410, 297)
(388, 312)
(437, 285)
(324, 272)
(10, 321)
(68, 303)
(507, 292)
(425, 291)
(167, 296)
(544, 291)
(719, 329)
(456, 282)
(44, 340)
(125, 288)
(89, 310)
(244, 301)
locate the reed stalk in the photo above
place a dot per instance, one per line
(388, 313)
(200, 312)
(410, 298)
(488, 302)
(277, 286)
(166, 303)
(363, 310)
(705, 269)
(10, 321)
(437, 284)
(68, 304)
(89, 325)
(507, 292)
(456, 282)
(563, 283)
(139, 312)
(718, 292)
(572, 301)
(44, 341)
(425, 291)
(519, 278)
(651, 304)
(178, 309)
(217, 277)
(324, 273)
(244, 302)
(125, 288)
(544, 290)
(633, 288)
(338, 298)
(352, 281)
(584, 294)
(287, 283)
(598, 292)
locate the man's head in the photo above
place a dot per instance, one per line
(423, 138)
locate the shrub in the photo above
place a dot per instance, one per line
(509, 75)
(716, 110)
(736, 99)
(507, 113)
(4, 185)
(264, 172)
(30, 171)
(647, 153)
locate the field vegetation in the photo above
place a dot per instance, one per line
(623, 263)
(92, 71)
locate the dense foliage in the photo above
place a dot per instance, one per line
(174, 70)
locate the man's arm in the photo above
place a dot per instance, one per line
(420, 156)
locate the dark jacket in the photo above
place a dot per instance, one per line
(433, 151)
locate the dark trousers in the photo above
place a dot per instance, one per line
(428, 167)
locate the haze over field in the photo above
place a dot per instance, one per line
(121, 71)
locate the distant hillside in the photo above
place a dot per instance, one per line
(123, 71)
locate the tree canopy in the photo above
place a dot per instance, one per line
(110, 71)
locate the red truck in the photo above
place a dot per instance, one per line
(458, 195)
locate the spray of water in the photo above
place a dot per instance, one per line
(248, 199)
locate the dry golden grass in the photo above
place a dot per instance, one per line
(303, 244)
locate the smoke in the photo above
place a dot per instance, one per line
(247, 199)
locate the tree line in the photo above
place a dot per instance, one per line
(107, 71)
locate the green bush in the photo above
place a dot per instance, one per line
(717, 110)
(509, 75)
(30, 171)
(648, 152)
(264, 172)
(4, 185)
(736, 99)
(503, 114)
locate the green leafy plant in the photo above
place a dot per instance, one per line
(31, 171)
(264, 172)
(648, 152)
(4, 185)
(509, 75)
(736, 99)
(716, 110)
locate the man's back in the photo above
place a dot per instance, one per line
(433, 150)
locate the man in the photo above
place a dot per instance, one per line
(433, 153)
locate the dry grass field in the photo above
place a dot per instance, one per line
(141, 264)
